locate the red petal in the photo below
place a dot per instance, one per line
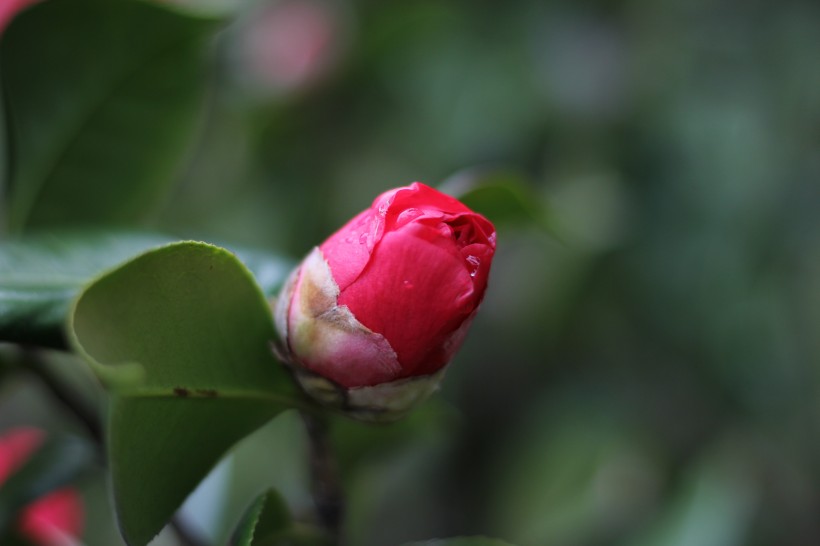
(418, 195)
(416, 292)
(348, 250)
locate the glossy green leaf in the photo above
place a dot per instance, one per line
(505, 198)
(41, 274)
(54, 464)
(100, 114)
(182, 334)
(461, 541)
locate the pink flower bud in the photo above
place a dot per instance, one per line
(371, 317)
(54, 519)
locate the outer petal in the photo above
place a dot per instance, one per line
(417, 195)
(348, 250)
(328, 339)
(416, 291)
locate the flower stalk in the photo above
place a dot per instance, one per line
(326, 488)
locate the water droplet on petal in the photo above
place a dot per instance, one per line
(407, 216)
(363, 239)
(407, 284)
(474, 262)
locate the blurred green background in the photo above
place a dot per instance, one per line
(644, 374)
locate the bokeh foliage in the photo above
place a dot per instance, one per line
(643, 374)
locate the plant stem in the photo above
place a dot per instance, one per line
(81, 410)
(325, 483)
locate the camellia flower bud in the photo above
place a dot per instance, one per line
(370, 318)
(55, 519)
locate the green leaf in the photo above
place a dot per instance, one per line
(267, 522)
(268, 516)
(505, 198)
(103, 100)
(40, 274)
(461, 541)
(182, 334)
(579, 449)
(53, 465)
(715, 503)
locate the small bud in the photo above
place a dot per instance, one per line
(370, 318)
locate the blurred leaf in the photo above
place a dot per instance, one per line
(716, 505)
(398, 495)
(267, 523)
(267, 516)
(53, 465)
(505, 198)
(461, 541)
(576, 473)
(40, 275)
(103, 99)
(183, 334)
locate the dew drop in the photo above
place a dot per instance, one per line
(407, 284)
(474, 264)
(363, 239)
(407, 216)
